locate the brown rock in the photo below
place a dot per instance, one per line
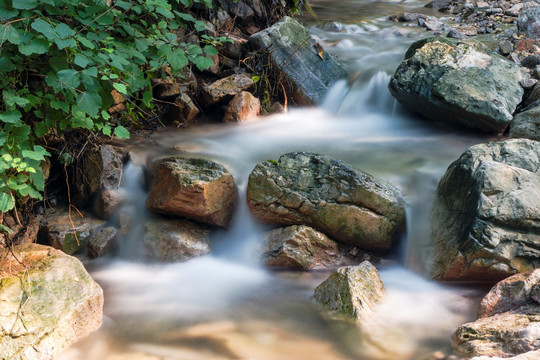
(303, 248)
(226, 88)
(199, 189)
(48, 302)
(184, 110)
(109, 201)
(468, 30)
(243, 107)
(509, 294)
(175, 240)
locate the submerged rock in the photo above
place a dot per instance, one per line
(509, 320)
(352, 291)
(526, 124)
(292, 53)
(69, 234)
(486, 223)
(198, 189)
(48, 302)
(329, 195)
(458, 81)
(301, 247)
(175, 240)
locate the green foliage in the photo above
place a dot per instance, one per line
(61, 59)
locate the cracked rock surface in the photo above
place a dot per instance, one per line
(329, 195)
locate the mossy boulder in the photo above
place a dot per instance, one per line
(329, 195)
(292, 54)
(459, 81)
(48, 302)
(486, 219)
(352, 292)
(198, 189)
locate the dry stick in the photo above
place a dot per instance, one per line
(69, 209)
(284, 93)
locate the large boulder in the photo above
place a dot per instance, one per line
(509, 320)
(486, 219)
(530, 355)
(100, 169)
(310, 71)
(526, 124)
(302, 248)
(198, 189)
(48, 302)
(67, 231)
(529, 20)
(352, 292)
(458, 81)
(175, 240)
(329, 195)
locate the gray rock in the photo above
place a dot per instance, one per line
(505, 47)
(431, 23)
(109, 201)
(486, 219)
(291, 52)
(407, 17)
(438, 4)
(528, 84)
(302, 248)
(526, 124)
(352, 292)
(48, 302)
(529, 20)
(101, 169)
(198, 189)
(175, 240)
(238, 9)
(456, 34)
(310, 189)
(224, 89)
(68, 233)
(459, 82)
(102, 242)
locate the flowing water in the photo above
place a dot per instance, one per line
(225, 305)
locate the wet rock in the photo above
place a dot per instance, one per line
(438, 4)
(512, 293)
(302, 248)
(310, 189)
(407, 17)
(501, 335)
(505, 47)
(184, 110)
(238, 9)
(526, 124)
(352, 291)
(528, 84)
(59, 229)
(531, 355)
(289, 47)
(102, 242)
(514, 10)
(101, 169)
(459, 82)
(468, 30)
(454, 33)
(486, 220)
(109, 201)
(198, 189)
(431, 23)
(48, 302)
(243, 107)
(226, 88)
(533, 96)
(529, 20)
(531, 61)
(173, 240)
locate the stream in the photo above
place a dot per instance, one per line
(225, 305)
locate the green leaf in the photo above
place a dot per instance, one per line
(199, 25)
(60, 105)
(38, 180)
(11, 117)
(92, 72)
(45, 28)
(5, 12)
(5, 229)
(6, 65)
(24, 4)
(41, 129)
(210, 50)
(11, 98)
(6, 204)
(69, 77)
(36, 46)
(81, 60)
(62, 44)
(203, 63)
(89, 102)
(121, 132)
(21, 133)
(121, 88)
(64, 31)
(106, 130)
(177, 59)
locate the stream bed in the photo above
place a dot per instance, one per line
(225, 305)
